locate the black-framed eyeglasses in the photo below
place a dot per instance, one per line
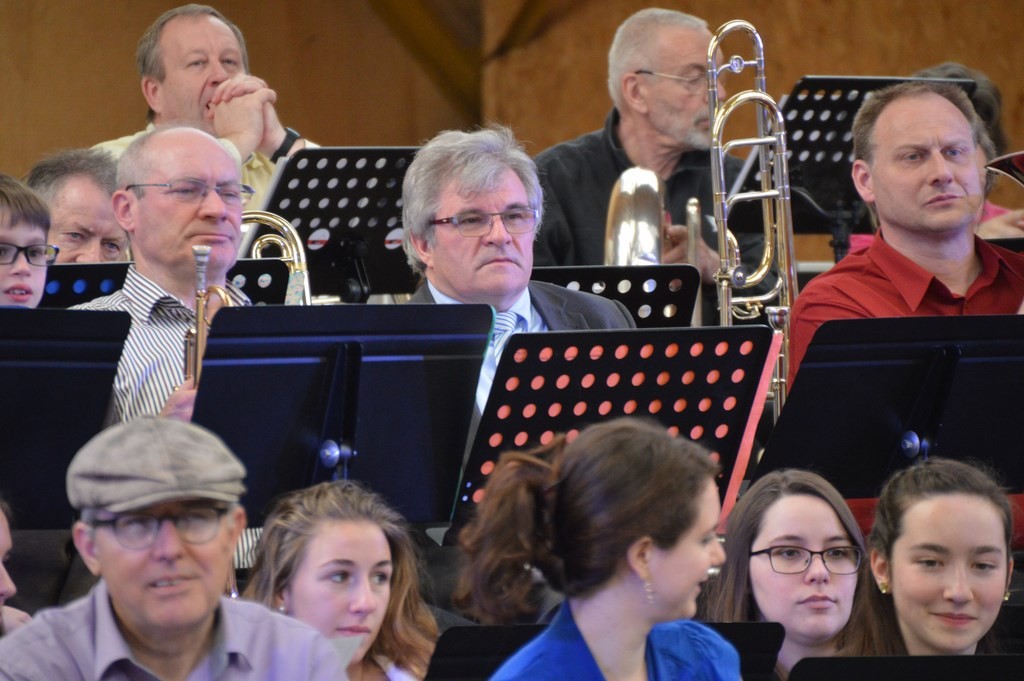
(194, 191)
(138, 531)
(478, 223)
(40, 255)
(691, 84)
(792, 560)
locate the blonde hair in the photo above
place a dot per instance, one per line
(408, 632)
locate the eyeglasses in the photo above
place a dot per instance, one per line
(479, 223)
(138, 531)
(792, 560)
(194, 191)
(39, 255)
(691, 84)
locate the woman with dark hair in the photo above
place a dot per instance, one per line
(622, 521)
(337, 557)
(10, 618)
(793, 552)
(940, 564)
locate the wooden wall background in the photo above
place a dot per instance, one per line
(344, 78)
(68, 78)
(555, 87)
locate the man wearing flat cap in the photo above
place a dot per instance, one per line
(159, 520)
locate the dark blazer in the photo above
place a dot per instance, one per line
(565, 310)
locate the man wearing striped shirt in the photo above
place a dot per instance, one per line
(177, 188)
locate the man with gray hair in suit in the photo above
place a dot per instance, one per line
(472, 208)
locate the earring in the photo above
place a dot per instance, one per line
(281, 609)
(1006, 596)
(883, 587)
(649, 592)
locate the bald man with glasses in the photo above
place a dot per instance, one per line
(179, 188)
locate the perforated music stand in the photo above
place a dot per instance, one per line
(657, 296)
(873, 395)
(346, 203)
(292, 389)
(708, 384)
(903, 668)
(57, 367)
(263, 280)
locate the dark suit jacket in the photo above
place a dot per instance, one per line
(565, 310)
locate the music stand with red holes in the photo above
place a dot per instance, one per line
(708, 384)
(657, 296)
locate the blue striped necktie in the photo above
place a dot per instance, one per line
(505, 324)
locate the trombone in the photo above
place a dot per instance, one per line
(773, 195)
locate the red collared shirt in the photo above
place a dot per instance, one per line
(881, 282)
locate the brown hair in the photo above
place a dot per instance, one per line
(571, 511)
(987, 99)
(874, 623)
(729, 597)
(148, 58)
(408, 632)
(19, 204)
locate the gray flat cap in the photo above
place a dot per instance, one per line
(151, 460)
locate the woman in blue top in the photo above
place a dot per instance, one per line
(622, 521)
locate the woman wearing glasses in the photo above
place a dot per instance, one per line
(940, 564)
(793, 552)
(622, 521)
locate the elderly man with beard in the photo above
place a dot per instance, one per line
(656, 79)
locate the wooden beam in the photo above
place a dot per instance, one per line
(457, 70)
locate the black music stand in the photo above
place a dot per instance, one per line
(293, 390)
(1015, 244)
(708, 384)
(263, 280)
(57, 367)
(907, 667)
(758, 644)
(346, 203)
(873, 395)
(819, 117)
(657, 296)
(475, 653)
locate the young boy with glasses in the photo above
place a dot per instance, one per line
(24, 253)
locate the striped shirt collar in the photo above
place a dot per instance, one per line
(144, 296)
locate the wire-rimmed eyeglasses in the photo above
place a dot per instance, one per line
(792, 560)
(194, 191)
(691, 84)
(478, 223)
(40, 255)
(138, 531)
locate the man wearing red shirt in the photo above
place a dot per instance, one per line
(919, 150)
